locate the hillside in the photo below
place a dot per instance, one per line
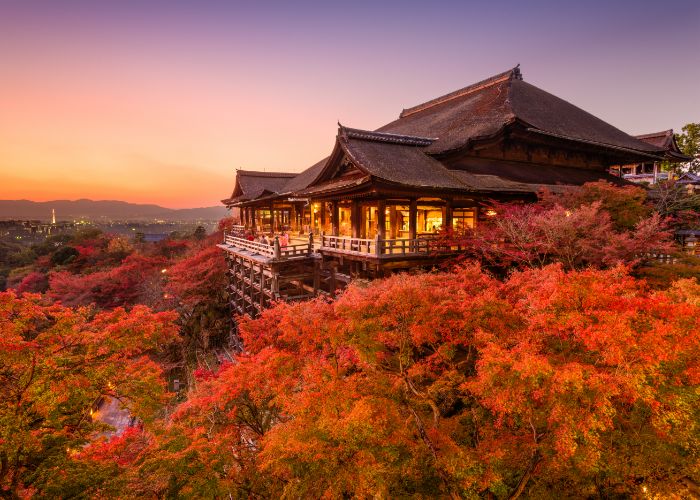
(103, 209)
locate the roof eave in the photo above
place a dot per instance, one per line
(596, 143)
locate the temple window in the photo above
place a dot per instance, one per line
(463, 218)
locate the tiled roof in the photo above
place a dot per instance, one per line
(407, 150)
(666, 141)
(689, 178)
(401, 161)
(484, 109)
(251, 184)
(304, 179)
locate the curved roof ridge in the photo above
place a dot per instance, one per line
(662, 133)
(369, 135)
(262, 173)
(511, 74)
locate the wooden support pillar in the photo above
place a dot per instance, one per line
(275, 282)
(324, 217)
(251, 290)
(381, 219)
(332, 282)
(252, 218)
(393, 223)
(447, 223)
(413, 219)
(262, 286)
(293, 218)
(312, 217)
(317, 276)
(273, 222)
(335, 218)
(356, 218)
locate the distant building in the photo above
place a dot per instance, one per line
(649, 171)
(692, 181)
(154, 237)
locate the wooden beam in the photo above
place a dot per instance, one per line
(381, 219)
(335, 218)
(413, 219)
(447, 223)
(356, 218)
(293, 218)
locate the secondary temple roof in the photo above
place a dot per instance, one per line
(666, 141)
(251, 184)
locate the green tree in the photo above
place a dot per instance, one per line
(689, 143)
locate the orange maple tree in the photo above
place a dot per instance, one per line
(452, 384)
(56, 363)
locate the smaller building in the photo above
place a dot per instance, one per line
(650, 172)
(691, 181)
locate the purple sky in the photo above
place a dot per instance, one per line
(161, 100)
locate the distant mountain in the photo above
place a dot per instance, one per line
(103, 210)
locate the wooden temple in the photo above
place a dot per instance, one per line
(376, 204)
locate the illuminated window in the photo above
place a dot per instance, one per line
(429, 219)
(463, 218)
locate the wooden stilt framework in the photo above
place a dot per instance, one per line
(260, 274)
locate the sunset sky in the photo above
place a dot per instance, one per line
(160, 101)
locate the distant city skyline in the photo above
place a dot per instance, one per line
(159, 102)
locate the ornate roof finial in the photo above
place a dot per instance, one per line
(341, 130)
(517, 75)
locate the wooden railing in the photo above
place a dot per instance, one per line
(251, 246)
(349, 245)
(378, 247)
(273, 250)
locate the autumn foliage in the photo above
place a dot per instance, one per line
(124, 285)
(556, 373)
(535, 235)
(448, 384)
(56, 364)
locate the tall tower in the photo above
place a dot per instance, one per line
(53, 216)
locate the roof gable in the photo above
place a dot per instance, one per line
(665, 140)
(689, 178)
(251, 184)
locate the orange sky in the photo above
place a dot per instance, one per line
(160, 101)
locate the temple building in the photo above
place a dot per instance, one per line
(691, 181)
(376, 203)
(650, 171)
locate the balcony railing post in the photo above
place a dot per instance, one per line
(378, 244)
(311, 241)
(276, 250)
(224, 236)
